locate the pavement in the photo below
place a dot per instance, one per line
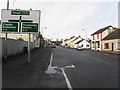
(18, 73)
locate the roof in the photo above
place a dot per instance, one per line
(65, 40)
(79, 41)
(75, 39)
(113, 35)
(72, 37)
(101, 30)
(83, 40)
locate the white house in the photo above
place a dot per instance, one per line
(84, 44)
(111, 43)
(98, 36)
(72, 44)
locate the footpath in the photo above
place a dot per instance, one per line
(18, 73)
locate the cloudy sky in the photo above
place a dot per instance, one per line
(65, 18)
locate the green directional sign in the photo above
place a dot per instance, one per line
(9, 27)
(29, 27)
(16, 12)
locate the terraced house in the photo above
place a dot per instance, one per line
(111, 43)
(96, 40)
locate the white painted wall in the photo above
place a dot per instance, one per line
(106, 32)
(84, 43)
(14, 46)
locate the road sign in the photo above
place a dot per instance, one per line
(9, 27)
(28, 20)
(29, 27)
(16, 12)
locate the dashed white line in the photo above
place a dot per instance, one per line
(67, 80)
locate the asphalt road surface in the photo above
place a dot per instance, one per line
(85, 69)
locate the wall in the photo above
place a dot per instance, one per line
(84, 42)
(14, 46)
(107, 32)
(110, 45)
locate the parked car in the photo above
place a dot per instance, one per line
(79, 48)
(53, 46)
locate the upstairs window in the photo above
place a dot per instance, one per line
(93, 37)
(97, 36)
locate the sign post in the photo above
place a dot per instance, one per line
(20, 22)
(29, 48)
(6, 46)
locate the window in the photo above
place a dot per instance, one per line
(81, 45)
(97, 36)
(88, 45)
(118, 45)
(106, 46)
(93, 37)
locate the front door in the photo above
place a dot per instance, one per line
(112, 46)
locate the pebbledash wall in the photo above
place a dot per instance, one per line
(14, 47)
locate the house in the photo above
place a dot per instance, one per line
(64, 42)
(73, 43)
(68, 42)
(111, 43)
(98, 36)
(84, 44)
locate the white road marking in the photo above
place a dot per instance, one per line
(106, 54)
(51, 70)
(55, 67)
(72, 66)
(67, 80)
(51, 58)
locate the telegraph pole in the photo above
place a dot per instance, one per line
(7, 4)
(6, 36)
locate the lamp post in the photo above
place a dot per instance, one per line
(85, 36)
(42, 29)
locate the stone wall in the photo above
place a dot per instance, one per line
(14, 46)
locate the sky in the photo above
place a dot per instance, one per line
(66, 18)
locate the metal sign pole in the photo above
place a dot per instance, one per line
(29, 49)
(5, 46)
(33, 41)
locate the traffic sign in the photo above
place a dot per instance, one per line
(29, 27)
(16, 12)
(9, 27)
(28, 21)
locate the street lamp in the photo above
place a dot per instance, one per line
(85, 36)
(42, 29)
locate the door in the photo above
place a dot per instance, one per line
(112, 46)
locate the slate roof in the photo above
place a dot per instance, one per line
(82, 40)
(75, 39)
(101, 30)
(79, 41)
(113, 35)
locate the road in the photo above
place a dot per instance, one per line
(85, 69)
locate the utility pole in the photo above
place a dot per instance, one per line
(7, 4)
(6, 36)
(85, 36)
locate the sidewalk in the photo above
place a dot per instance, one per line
(18, 73)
